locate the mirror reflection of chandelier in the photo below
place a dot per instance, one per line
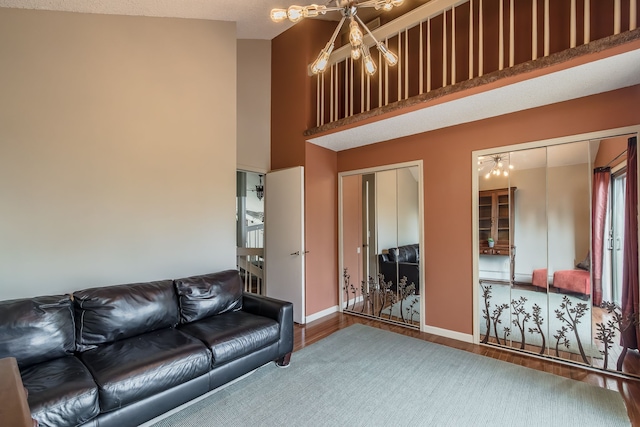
(260, 189)
(349, 10)
(497, 164)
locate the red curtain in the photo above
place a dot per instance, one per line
(630, 249)
(600, 196)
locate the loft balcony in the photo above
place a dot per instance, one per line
(447, 47)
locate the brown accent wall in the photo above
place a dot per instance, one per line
(321, 228)
(447, 184)
(291, 103)
(291, 89)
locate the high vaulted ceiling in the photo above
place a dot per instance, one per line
(252, 16)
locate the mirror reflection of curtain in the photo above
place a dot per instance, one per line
(601, 181)
(630, 253)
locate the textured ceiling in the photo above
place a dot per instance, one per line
(589, 79)
(252, 16)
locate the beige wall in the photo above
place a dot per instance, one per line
(254, 105)
(117, 149)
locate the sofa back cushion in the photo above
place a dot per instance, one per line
(36, 329)
(113, 313)
(406, 253)
(209, 295)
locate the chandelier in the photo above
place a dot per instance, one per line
(349, 10)
(260, 189)
(498, 165)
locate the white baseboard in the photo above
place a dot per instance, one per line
(321, 314)
(448, 334)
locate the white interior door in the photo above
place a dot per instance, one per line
(284, 238)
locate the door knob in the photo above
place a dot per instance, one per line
(296, 253)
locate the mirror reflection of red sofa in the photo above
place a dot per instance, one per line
(578, 281)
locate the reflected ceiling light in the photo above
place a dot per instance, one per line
(498, 165)
(260, 189)
(349, 10)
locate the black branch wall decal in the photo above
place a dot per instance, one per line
(620, 324)
(571, 317)
(538, 320)
(486, 295)
(561, 338)
(496, 319)
(346, 277)
(520, 322)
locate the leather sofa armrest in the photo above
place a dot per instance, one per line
(280, 311)
(14, 409)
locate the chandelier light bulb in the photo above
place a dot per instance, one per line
(295, 13)
(278, 15)
(510, 166)
(320, 64)
(385, 5)
(390, 57)
(487, 176)
(500, 164)
(355, 53)
(369, 66)
(355, 34)
(314, 10)
(505, 173)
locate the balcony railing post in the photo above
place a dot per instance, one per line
(587, 21)
(480, 43)
(534, 29)
(470, 39)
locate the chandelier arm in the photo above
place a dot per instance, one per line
(368, 3)
(367, 28)
(333, 9)
(335, 33)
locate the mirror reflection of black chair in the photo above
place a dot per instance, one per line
(400, 262)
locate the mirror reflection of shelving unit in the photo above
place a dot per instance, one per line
(496, 220)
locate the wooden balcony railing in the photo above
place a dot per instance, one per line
(250, 264)
(445, 42)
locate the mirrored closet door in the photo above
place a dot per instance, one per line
(556, 232)
(380, 235)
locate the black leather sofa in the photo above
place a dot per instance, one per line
(122, 355)
(403, 261)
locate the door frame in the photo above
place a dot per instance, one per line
(591, 136)
(419, 164)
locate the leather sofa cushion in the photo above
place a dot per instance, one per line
(406, 253)
(132, 369)
(61, 392)
(116, 312)
(234, 335)
(209, 295)
(37, 329)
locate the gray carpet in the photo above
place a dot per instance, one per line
(364, 376)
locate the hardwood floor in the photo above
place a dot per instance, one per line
(629, 389)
